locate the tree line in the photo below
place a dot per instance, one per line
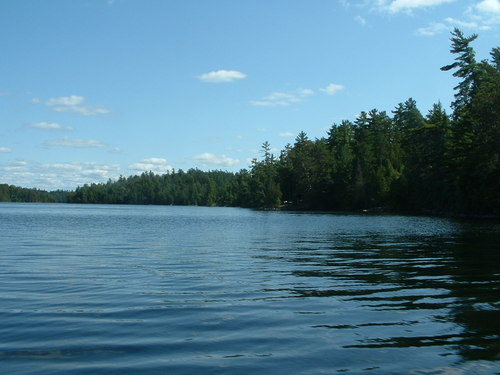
(402, 160)
(11, 193)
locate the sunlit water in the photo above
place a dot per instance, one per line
(192, 290)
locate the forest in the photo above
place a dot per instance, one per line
(11, 193)
(405, 161)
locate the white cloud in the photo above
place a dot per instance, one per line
(5, 149)
(267, 103)
(332, 88)
(66, 101)
(433, 29)
(75, 103)
(463, 24)
(19, 163)
(208, 159)
(221, 76)
(405, 5)
(155, 161)
(282, 99)
(305, 92)
(286, 134)
(473, 20)
(75, 143)
(483, 15)
(489, 6)
(480, 15)
(155, 165)
(277, 99)
(49, 126)
(57, 175)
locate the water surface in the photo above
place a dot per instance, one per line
(96, 289)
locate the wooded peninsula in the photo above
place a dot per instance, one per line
(403, 161)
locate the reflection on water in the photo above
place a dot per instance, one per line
(182, 290)
(452, 279)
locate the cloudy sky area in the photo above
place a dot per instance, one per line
(91, 90)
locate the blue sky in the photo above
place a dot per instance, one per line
(95, 89)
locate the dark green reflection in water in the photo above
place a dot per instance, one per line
(456, 278)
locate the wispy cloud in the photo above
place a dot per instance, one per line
(486, 13)
(5, 150)
(332, 88)
(155, 165)
(489, 6)
(276, 99)
(305, 92)
(75, 104)
(75, 143)
(464, 24)
(477, 15)
(56, 175)
(286, 134)
(208, 159)
(395, 6)
(48, 126)
(221, 76)
(282, 99)
(433, 29)
(483, 16)
(360, 20)
(480, 15)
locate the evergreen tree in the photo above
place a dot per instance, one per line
(475, 130)
(265, 189)
(341, 141)
(466, 69)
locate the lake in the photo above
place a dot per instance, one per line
(101, 289)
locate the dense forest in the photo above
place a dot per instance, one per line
(11, 193)
(403, 160)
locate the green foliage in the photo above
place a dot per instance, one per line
(466, 68)
(194, 187)
(474, 144)
(341, 142)
(10, 193)
(265, 190)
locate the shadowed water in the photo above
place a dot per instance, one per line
(191, 290)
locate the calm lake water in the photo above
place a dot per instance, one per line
(102, 289)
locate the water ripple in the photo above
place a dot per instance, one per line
(183, 290)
